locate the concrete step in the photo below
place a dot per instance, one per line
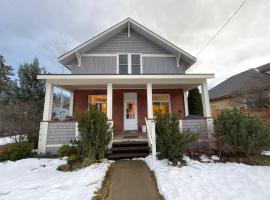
(116, 156)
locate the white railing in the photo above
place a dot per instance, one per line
(151, 135)
(110, 122)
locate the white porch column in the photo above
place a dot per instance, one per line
(47, 113)
(149, 101)
(109, 101)
(186, 103)
(205, 100)
(71, 101)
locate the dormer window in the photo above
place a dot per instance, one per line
(129, 64)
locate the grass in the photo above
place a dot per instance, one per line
(103, 192)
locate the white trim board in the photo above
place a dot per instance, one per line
(99, 55)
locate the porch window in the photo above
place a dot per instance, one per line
(123, 64)
(161, 103)
(99, 101)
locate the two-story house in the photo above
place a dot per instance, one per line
(130, 73)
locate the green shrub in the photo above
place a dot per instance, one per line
(240, 134)
(95, 135)
(67, 150)
(171, 144)
(73, 155)
(17, 151)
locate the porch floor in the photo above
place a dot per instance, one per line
(130, 136)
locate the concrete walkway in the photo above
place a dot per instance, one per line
(131, 180)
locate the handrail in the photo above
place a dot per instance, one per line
(148, 132)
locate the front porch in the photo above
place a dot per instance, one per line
(130, 104)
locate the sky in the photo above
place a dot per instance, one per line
(44, 29)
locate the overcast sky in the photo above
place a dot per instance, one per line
(31, 28)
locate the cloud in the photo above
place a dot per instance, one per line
(30, 28)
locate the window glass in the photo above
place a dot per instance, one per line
(99, 101)
(135, 64)
(161, 103)
(123, 59)
(123, 64)
(135, 59)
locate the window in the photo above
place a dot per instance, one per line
(99, 101)
(135, 64)
(129, 64)
(161, 103)
(123, 64)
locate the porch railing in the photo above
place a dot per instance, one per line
(151, 135)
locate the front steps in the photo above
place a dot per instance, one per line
(128, 150)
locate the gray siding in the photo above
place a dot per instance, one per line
(121, 43)
(60, 133)
(199, 127)
(95, 65)
(161, 65)
(136, 43)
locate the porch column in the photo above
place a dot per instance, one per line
(109, 101)
(186, 102)
(71, 101)
(149, 101)
(47, 113)
(205, 100)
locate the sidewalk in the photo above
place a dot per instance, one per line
(131, 180)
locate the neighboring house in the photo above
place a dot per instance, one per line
(129, 73)
(248, 91)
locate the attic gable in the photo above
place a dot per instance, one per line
(128, 24)
(129, 43)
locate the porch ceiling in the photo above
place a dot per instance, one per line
(72, 81)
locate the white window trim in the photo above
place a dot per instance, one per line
(169, 100)
(97, 101)
(129, 62)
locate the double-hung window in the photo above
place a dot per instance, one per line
(161, 103)
(123, 64)
(129, 64)
(135, 63)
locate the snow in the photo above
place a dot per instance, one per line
(5, 140)
(38, 179)
(266, 153)
(209, 181)
(8, 139)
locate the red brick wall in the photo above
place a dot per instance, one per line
(176, 96)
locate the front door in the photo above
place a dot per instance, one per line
(130, 111)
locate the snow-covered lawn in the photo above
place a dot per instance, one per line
(211, 180)
(5, 140)
(38, 179)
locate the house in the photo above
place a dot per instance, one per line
(129, 73)
(248, 91)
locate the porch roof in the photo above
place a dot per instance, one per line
(84, 81)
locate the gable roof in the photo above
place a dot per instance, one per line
(114, 30)
(240, 82)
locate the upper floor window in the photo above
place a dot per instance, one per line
(135, 64)
(123, 64)
(129, 64)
